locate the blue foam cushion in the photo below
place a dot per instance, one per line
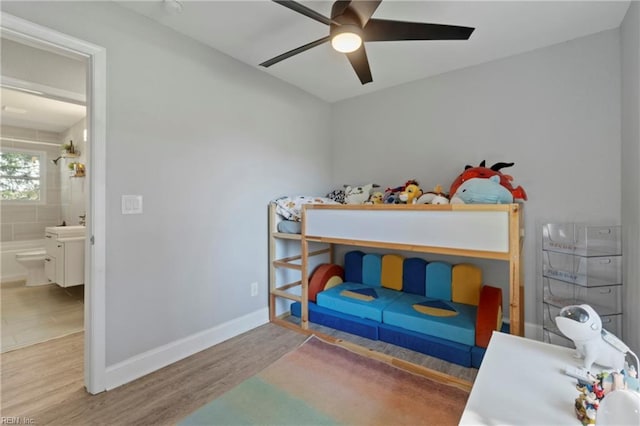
(339, 321)
(414, 276)
(477, 355)
(440, 348)
(333, 299)
(353, 266)
(371, 270)
(459, 328)
(438, 280)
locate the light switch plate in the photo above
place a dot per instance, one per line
(132, 204)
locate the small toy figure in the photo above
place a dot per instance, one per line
(586, 405)
(593, 394)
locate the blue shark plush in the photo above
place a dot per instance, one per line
(482, 191)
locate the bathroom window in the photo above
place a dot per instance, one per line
(22, 175)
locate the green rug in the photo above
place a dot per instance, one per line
(324, 384)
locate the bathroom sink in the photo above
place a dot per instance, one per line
(69, 228)
(67, 231)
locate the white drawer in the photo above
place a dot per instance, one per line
(52, 246)
(50, 241)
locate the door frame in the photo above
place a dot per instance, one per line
(33, 34)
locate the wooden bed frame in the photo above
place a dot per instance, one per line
(467, 230)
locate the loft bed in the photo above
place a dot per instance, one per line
(467, 230)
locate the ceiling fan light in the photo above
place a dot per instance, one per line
(347, 39)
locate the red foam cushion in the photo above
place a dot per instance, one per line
(320, 276)
(489, 317)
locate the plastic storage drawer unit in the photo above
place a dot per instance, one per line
(582, 240)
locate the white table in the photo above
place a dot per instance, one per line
(522, 382)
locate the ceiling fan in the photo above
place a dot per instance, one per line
(351, 25)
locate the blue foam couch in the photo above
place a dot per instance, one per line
(435, 308)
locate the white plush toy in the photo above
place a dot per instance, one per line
(435, 197)
(357, 194)
(583, 325)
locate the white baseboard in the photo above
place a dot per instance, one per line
(533, 331)
(155, 359)
(13, 277)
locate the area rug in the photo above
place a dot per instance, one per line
(320, 383)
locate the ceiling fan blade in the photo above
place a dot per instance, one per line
(365, 9)
(339, 7)
(304, 10)
(360, 64)
(383, 30)
(295, 51)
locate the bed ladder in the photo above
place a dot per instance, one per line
(294, 262)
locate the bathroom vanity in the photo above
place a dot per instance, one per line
(64, 260)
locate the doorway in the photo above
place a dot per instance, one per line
(43, 143)
(25, 32)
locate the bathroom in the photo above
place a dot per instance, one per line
(44, 121)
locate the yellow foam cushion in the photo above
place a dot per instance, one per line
(435, 309)
(356, 295)
(333, 281)
(466, 281)
(391, 276)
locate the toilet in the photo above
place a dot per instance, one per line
(33, 261)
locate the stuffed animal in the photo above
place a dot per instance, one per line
(336, 195)
(483, 172)
(411, 194)
(482, 191)
(376, 198)
(435, 197)
(392, 195)
(358, 194)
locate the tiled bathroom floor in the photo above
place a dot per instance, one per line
(36, 314)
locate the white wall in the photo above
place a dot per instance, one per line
(630, 35)
(72, 188)
(555, 112)
(207, 141)
(42, 67)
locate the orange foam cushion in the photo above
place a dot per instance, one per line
(325, 273)
(489, 316)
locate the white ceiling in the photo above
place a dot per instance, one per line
(31, 111)
(254, 31)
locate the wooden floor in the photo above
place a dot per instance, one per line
(44, 382)
(37, 314)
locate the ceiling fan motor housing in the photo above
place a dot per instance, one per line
(349, 22)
